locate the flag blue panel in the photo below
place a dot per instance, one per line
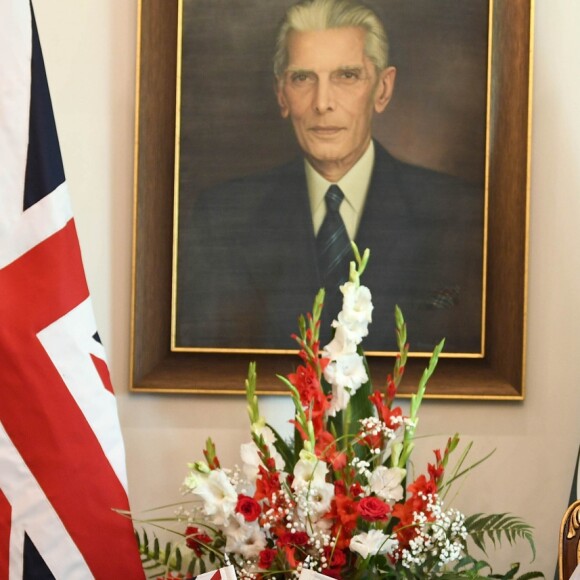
(35, 567)
(44, 168)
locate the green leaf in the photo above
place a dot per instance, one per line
(287, 454)
(530, 575)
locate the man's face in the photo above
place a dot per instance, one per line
(330, 91)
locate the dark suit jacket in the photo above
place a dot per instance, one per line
(247, 265)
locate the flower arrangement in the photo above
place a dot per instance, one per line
(338, 499)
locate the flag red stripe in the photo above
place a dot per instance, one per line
(103, 371)
(5, 524)
(42, 418)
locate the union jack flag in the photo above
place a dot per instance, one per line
(227, 573)
(62, 463)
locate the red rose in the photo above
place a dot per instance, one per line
(335, 558)
(194, 540)
(294, 539)
(248, 507)
(373, 509)
(267, 557)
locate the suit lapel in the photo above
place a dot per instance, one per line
(383, 219)
(281, 260)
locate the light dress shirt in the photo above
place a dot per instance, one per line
(354, 185)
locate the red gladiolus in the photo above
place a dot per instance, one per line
(391, 389)
(248, 507)
(306, 382)
(423, 485)
(290, 551)
(312, 397)
(389, 417)
(267, 483)
(325, 449)
(435, 472)
(356, 489)
(339, 487)
(344, 515)
(405, 530)
(373, 509)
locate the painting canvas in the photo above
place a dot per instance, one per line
(231, 137)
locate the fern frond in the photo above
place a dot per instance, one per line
(156, 561)
(495, 527)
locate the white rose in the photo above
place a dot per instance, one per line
(372, 543)
(386, 483)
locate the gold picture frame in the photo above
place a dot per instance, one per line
(498, 375)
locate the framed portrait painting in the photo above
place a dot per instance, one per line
(225, 245)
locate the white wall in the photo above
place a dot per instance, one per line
(89, 49)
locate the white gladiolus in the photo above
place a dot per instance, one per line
(251, 458)
(314, 500)
(219, 496)
(254, 543)
(237, 531)
(356, 313)
(309, 470)
(372, 543)
(243, 537)
(340, 344)
(392, 443)
(197, 476)
(347, 371)
(339, 400)
(194, 480)
(386, 483)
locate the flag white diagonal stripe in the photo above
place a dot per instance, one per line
(68, 342)
(33, 514)
(26, 229)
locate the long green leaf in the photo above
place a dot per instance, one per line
(284, 450)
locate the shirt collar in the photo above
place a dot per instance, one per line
(354, 185)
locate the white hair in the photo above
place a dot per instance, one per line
(325, 14)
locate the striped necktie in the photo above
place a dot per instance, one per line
(333, 244)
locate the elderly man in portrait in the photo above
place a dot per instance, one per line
(262, 246)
